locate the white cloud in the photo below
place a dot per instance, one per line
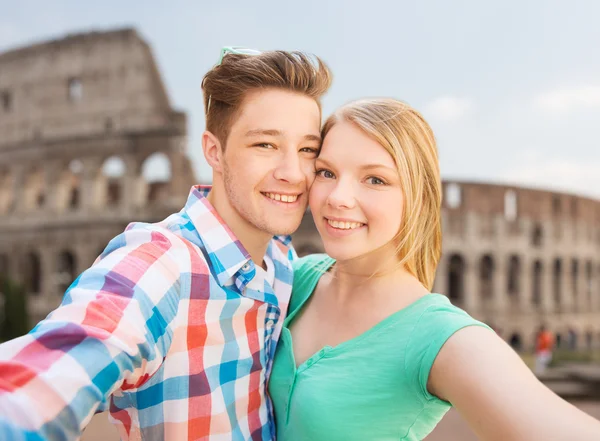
(448, 108)
(566, 100)
(558, 174)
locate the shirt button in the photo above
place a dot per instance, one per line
(246, 267)
(270, 323)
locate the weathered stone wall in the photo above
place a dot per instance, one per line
(70, 109)
(516, 258)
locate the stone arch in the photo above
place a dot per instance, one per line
(3, 266)
(516, 341)
(514, 276)
(66, 269)
(31, 270)
(6, 190)
(559, 340)
(589, 276)
(557, 275)
(113, 175)
(556, 205)
(589, 340)
(156, 171)
(3, 277)
(575, 279)
(537, 236)
(34, 194)
(456, 278)
(536, 281)
(486, 276)
(572, 338)
(74, 185)
(69, 185)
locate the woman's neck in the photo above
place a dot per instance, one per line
(374, 276)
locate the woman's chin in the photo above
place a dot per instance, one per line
(340, 253)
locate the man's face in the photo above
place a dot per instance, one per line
(268, 163)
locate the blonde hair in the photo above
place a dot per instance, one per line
(407, 137)
(226, 85)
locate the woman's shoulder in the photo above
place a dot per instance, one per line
(309, 268)
(438, 311)
(307, 272)
(437, 321)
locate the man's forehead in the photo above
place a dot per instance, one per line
(276, 103)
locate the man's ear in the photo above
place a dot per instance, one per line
(211, 147)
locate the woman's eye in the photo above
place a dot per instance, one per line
(375, 181)
(325, 174)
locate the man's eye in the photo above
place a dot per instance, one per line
(312, 150)
(265, 145)
(325, 174)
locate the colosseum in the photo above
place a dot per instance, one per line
(88, 142)
(84, 121)
(516, 258)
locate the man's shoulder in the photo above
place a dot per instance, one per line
(168, 235)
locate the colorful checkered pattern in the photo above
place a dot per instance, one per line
(173, 329)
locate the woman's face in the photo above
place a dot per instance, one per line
(356, 199)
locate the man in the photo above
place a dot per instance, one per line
(174, 327)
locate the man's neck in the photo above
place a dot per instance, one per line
(254, 240)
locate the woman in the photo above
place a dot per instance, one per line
(367, 352)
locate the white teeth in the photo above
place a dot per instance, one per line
(344, 225)
(282, 197)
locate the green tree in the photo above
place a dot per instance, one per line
(16, 319)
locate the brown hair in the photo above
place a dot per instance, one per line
(405, 134)
(226, 85)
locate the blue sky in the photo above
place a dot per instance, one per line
(511, 89)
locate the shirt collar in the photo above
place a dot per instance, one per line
(226, 253)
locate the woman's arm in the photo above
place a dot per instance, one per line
(498, 395)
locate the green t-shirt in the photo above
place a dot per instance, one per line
(372, 387)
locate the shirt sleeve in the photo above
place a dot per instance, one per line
(111, 331)
(433, 328)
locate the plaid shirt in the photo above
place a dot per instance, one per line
(173, 329)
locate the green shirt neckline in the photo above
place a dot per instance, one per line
(328, 350)
(371, 387)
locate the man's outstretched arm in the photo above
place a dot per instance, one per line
(111, 332)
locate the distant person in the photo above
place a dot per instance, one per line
(174, 327)
(544, 344)
(572, 339)
(367, 352)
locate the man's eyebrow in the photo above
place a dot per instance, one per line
(275, 132)
(259, 132)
